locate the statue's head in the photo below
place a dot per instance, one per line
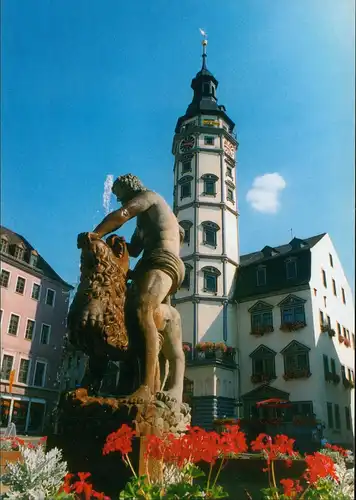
(127, 187)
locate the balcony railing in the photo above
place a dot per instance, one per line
(205, 355)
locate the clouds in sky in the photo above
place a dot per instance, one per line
(265, 192)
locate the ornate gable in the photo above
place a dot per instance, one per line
(295, 347)
(292, 300)
(260, 306)
(262, 351)
(265, 392)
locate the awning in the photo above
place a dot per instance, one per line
(274, 403)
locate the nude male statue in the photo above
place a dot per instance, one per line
(157, 275)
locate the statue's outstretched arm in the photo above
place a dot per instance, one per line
(116, 219)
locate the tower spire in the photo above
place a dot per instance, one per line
(204, 44)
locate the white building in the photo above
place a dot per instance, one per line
(295, 324)
(244, 302)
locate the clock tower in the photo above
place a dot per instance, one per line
(205, 203)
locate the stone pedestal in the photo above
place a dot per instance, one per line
(84, 422)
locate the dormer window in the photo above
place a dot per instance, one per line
(261, 275)
(4, 244)
(210, 184)
(19, 252)
(210, 230)
(34, 259)
(291, 269)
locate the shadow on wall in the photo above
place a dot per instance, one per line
(335, 380)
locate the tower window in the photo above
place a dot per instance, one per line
(211, 279)
(209, 233)
(291, 269)
(323, 276)
(209, 140)
(230, 195)
(185, 186)
(261, 276)
(206, 88)
(186, 167)
(185, 190)
(334, 287)
(343, 295)
(331, 260)
(209, 184)
(186, 281)
(186, 225)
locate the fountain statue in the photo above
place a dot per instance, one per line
(125, 316)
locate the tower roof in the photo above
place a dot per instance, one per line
(204, 101)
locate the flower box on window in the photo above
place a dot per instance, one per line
(205, 346)
(290, 327)
(261, 330)
(261, 377)
(341, 339)
(332, 377)
(347, 342)
(348, 384)
(324, 327)
(295, 374)
(230, 353)
(331, 332)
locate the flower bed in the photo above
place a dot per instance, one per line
(193, 466)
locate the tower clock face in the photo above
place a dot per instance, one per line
(187, 143)
(229, 148)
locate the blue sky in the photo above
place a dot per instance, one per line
(91, 88)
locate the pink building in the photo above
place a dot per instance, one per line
(33, 310)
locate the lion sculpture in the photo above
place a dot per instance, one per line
(103, 293)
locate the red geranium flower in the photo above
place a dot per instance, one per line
(291, 488)
(282, 445)
(121, 440)
(319, 466)
(233, 440)
(338, 449)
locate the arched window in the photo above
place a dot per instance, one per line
(209, 184)
(211, 275)
(209, 233)
(185, 186)
(4, 244)
(186, 225)
(186, 281)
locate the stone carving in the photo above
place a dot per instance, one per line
(107, 320)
